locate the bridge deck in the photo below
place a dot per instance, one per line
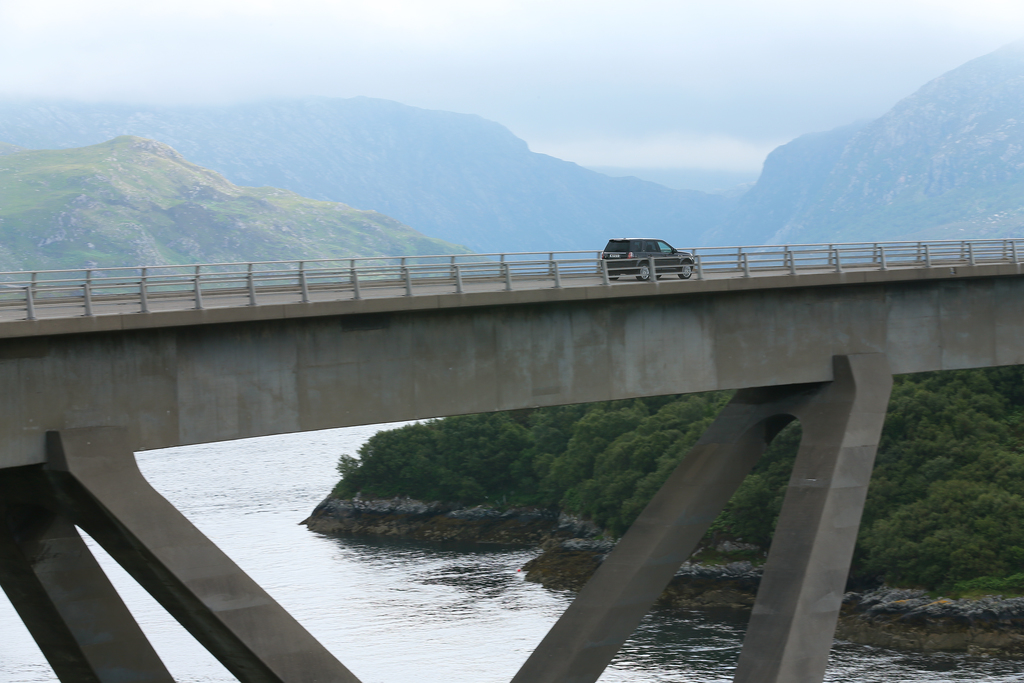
(62, 302)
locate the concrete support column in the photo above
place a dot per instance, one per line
(96, 480)
(610, 606)
(69, 606)
(794, 618)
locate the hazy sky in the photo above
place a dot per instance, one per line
(709, 84)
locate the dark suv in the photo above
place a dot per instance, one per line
(632, 256)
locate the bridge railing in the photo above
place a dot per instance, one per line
(101, 291)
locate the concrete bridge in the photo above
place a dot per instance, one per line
(813, 333)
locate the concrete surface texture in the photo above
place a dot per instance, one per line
(790, 635)
(791, 628)
(94, 483)
(194, 383)
(74, 613)
(81, 394)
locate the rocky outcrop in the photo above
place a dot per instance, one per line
(436, 521)
(910, 619)
(567, 565)
(573, 550)
(884, 617)
(719, 585)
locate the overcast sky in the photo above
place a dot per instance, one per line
(712, 84)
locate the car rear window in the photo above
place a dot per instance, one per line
(617, 245)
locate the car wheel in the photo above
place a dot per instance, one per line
(645, 272)
(686, 271)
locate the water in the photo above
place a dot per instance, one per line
(396, 610)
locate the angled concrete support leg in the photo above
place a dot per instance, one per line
(69, 606)
(610, 606)
(794, 617)
(95, 478)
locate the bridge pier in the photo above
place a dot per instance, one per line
(794, 619)
(68, 604)
(91, 480)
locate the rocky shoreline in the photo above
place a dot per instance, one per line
(572, 550)
(409, 518)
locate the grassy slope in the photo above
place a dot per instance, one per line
(133, 201)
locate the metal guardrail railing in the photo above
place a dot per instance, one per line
(66, 293)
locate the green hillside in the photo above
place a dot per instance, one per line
(945, 509)
(133, 201)
(457, 177)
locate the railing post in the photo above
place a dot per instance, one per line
(839, 265)
(792, 261)
(198, 287)
(407, 277)
(143, 295)
(303, 282)
(603, 265)
(454, 267)
(746, 265)
(458, 277)
(552, 267)
(881, 257)
(199, 290)
(252, 287)
(699, 262)
(354, 274)
(87, 293)
(739, 258)
(927, 256)
(970, 253)
(508, 274)
(558, 275)
(30, 304)
(1013, 250)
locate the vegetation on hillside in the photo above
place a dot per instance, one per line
(945, 510)
(132, 201)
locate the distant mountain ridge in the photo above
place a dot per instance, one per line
(456, 177)
(132, 201)
(945, 162)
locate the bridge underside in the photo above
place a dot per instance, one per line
(90, 480)
(198, 383)
(77, 405)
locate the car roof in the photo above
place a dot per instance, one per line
(626, 239)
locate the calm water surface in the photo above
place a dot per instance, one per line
(396, 611)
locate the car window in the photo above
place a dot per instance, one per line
(636, 245)
(664, 248)
(617, 246)
(650, 246)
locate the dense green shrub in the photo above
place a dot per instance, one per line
(945, 507)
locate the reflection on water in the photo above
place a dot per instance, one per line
(391, 609)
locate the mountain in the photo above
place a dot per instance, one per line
(132, 201)
(457, 177)
(946, 162)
